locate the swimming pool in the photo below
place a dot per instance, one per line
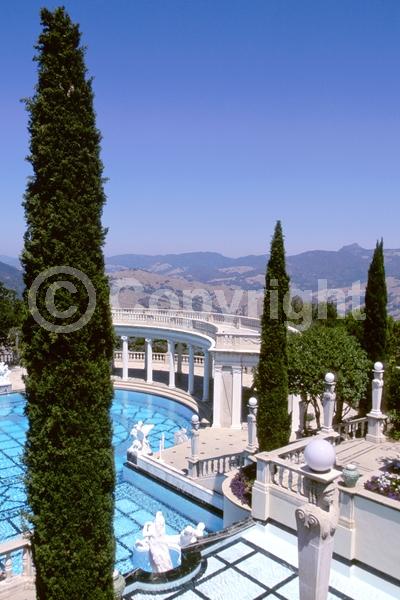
(136, 501)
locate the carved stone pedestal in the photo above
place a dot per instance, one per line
(316, 523)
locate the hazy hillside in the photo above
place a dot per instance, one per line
(217, 273)
(11, 277)
(308, 270)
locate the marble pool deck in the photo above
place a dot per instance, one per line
(262, 563)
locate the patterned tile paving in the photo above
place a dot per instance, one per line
(130, 516)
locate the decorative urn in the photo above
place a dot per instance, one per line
(350, 475)
(118, 584)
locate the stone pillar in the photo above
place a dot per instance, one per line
(316, 523)
(236, 422)
(125, 357)
(376, 418)
(252, 426)
(260, 494)
(206, 376)
(194, 456)
(179, 358)
(328, 403)
(191, 370)
(217, 395)
(149, 360)
(171, 361)
(302, 410)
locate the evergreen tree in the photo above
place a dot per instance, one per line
(375, 323)
(273, 421)
(68, 454)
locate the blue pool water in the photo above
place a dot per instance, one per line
(137, 499)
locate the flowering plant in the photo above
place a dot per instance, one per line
(242, 483)
(387, 484)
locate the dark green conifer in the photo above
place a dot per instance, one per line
(375, 323)
(68, 454)
(273, 421)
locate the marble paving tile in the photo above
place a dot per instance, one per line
(213, 565)
(266, 570)
(230, 584)
(291, 591)
(235, 552)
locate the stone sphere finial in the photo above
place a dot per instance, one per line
(320, 455)
(329, 378)
(378, 366)
(253, 402)
(195, 420)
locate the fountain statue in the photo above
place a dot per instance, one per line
(180, 436)
(140, 443)
(5, 383)
(159, 552)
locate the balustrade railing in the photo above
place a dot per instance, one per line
(218, 465)
(17, 576)
(349, 430)
(159, 357)
(196, 319)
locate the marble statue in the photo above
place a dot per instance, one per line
(4, 374)
(156, 545)
(180, 436)
(140, 443)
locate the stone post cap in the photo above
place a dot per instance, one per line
(253, 402)
(195, 421)
(124, 338)
(329, 378)
(378, 366)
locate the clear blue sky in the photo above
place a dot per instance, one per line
(221, 116)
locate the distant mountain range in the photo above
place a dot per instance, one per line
(214, 271)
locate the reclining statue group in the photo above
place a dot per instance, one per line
(156, 543)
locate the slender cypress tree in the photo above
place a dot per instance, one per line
(67, 333)
(375, 323)
(273, 421)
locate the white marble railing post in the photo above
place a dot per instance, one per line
(317, 520)
(376, 418)
(195, 444)
(252, 426)
(328, 403)
(125, 357)
(149, 360)
(206, 376)
(191, 370)
(171, 361)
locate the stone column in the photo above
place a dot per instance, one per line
(236, 422)
(302, 410)
(316, 522)
(376, 418)
(179, 358)
(171, 361)
(194, 456)
(206, 375)
(217, 396)
(252, 426)
(328, 403)
(149, 360)
(191, 370)
(125, 357)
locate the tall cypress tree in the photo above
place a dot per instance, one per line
(67, 350)
(273, 421)
(375, 323)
